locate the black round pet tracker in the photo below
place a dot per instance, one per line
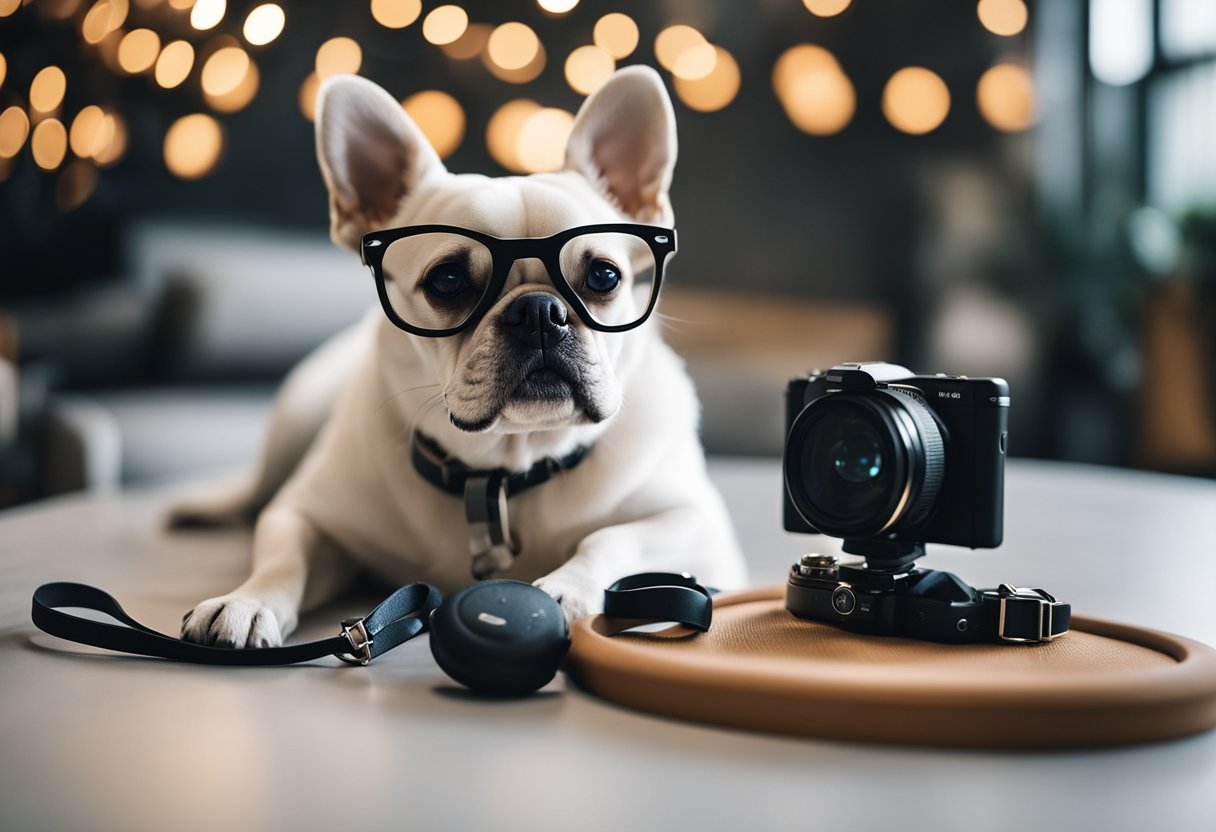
(505, 638)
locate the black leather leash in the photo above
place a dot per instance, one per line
(397, 619)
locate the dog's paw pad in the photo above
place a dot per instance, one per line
(229, 621)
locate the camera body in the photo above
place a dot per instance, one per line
(876, 453)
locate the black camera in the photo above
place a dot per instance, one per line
(890, 461)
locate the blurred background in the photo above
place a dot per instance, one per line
(1003, 187)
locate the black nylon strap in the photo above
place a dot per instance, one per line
(449, 474)
(658, 596)
(397, 619)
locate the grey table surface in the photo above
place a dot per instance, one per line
(107, 742)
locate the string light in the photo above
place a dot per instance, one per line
(49, 144)
(616, 34)
(826, 8)
(224, 71)
(396, 14)
(440, 118)
(193, 145)
(308, 96)
(715, 90)
(14, 128)
(695, 62)
(3, 69)
(502, 132)
(557, 6)
(517, 76)
(817, 96)
(207, 14)
(264, 24)
(444, 24)
(239, 96)
(47, 89)
(915, 100)
(541, 146)
(97, 22)
(1005, 96)
(138, 50)
(512, 45)
(1002, 17)
(174, 64)
(86, 132)
(338, 55)
(470, 43)
(7, 7)
(113, 140)
(587, 67)
(673, 41)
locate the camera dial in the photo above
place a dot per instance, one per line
(844, 601)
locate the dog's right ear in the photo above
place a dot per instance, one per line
(371, 153)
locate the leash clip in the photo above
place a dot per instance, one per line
(485, 506)
(360, 641)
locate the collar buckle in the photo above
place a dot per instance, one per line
(1014, 602)
(360, 641)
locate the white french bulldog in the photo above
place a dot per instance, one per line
(341, 491)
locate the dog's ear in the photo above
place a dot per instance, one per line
(372, 156)
(624, 141)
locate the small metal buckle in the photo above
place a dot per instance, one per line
(355, 633)
(1008, 593)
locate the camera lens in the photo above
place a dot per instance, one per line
(843, 600)
(863, 464)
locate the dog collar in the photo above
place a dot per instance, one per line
(485, 493)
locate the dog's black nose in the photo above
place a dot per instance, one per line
(537, 319)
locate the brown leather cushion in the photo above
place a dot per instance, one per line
(761, 668)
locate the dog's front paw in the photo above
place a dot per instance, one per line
(231, 621)
(576, 598)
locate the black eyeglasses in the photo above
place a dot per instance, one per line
(438, 280)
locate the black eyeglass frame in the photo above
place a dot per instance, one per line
(504, 252)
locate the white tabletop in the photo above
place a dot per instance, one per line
(105, 742)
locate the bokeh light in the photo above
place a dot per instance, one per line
(181, 5)
(512, 45)
(517, 76)
(113, 140)
(1005, 96)
(1002, 17)
(695, 62)
(76, 185)
(503, 129)
(174, 64)
(49, 143)
(557, 6)
(193, 145)
(616, 34)
(915, 100)
(826, 8)
(224, 70)
(14, 129)
(308, 96)
(98, 22)
(138, 50)
(798, 61)
(264, 24)
(715, 90)
(84, 137)
(338, 55)
(7, 7)
(817, 96)
(396, 14)
(541, 145)
(444, 24)
(587, 67)
(47, 89)
(470, 43)
(207, 14)
(440, 118)
(3, 69)
(673, 41)
(239, 96)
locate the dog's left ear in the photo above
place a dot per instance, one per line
(372, 156)
(624, 141)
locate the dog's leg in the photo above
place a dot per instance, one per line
(681, 539)
(301, 407)
(295, 567)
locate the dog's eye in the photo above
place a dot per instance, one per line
(602, 276)
(446, 281)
